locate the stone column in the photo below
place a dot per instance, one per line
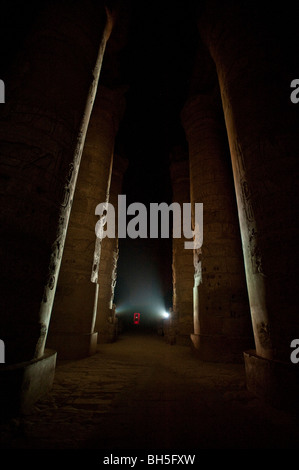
(106, 321)
(182, 258)
(71, 331)
(262, 127)
(49, 98)
(221, 310)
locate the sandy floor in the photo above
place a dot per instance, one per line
(142, 393)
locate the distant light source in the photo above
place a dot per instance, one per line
(165, 314)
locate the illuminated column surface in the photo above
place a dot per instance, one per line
(221, 312)
(71, 331)
(49, 97)
(106, 320)
(262, 128)
(182, 259)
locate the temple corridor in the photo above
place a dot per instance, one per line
(141, 393)
(149, 171)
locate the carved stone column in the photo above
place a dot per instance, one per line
(221, 310)
(182, 258)
(106, 321)
(71, 330)
(262, 127)
(49, 98)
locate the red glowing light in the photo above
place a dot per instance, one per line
(136, 318)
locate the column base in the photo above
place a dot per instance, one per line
(213, 348)
(73, 346)
(275, 382)
(24, 383)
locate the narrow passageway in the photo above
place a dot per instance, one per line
(143, 393)
(148, 164)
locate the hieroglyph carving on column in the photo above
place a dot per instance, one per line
(112, 103)
(65, 209)
(197, 266)
(254, 69)
(114, 274)
(98, 241)
(42, 132)
(256, 259)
